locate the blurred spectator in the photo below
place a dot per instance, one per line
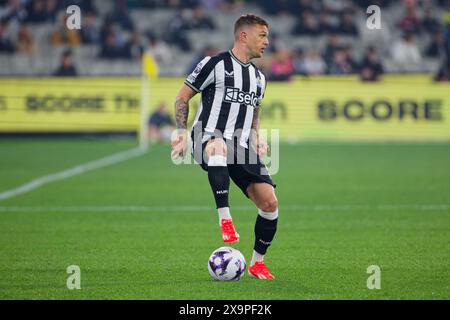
(121, 15)
(41, 11)
(314, 64)
(160, 125)
(429, 23)
(111, 49)
(51, 10)
(106, 29)
(347, 25)
(335, 6)
(182, 4)
(340, 64)
(307, 25)
(211, 5)
(63, 36)
(436, 47)
(282, 66)
(134, 48)
(6, 43)
(326, 24)
(159, 50)
(25, 41)
(406, 54)
(300, 6)
(176, 31)
(334, 44)
(299, 62)
(112, 36)
(200, 20)
(349, 57)
(67, 67)
(443, 73)
(274, 7)
(410, 22)
(232, 5)
(90, 33)
(371, 68)
(37, 12)
(366, 3)
(13, 10)
(276, 43)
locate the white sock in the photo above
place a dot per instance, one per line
(256, 257)
(217, 161)
(224, 213)
(268, 215)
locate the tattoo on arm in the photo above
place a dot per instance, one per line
(181, 113)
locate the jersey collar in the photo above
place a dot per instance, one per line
(237, 60)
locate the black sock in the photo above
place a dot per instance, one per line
(219, 179)
(264, 233)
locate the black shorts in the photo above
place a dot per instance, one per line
(244, 165)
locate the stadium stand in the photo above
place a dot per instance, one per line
(114, 34)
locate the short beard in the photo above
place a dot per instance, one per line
(256, 55)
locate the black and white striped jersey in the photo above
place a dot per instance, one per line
(231, 91)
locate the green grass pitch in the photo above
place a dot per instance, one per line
(144, 228)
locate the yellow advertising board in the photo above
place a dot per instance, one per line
(405, 108)
(399, 108)
(69, 104)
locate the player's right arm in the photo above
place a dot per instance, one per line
(179, 144)
(197, 81)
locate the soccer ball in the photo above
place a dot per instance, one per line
(226, 264)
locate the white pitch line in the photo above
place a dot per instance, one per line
(80, 169)
(134, 208)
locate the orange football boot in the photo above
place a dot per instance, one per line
(259, 270)
(229, 234)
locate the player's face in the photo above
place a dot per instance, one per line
(258, 40)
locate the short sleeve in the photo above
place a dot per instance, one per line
(202, 76)
(264, 85)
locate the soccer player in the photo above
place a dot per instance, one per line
(225, 134)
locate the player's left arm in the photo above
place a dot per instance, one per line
(261, 146)
(179, 140)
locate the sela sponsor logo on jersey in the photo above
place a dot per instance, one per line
(235, 95)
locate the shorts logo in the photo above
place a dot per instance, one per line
(235, 95)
